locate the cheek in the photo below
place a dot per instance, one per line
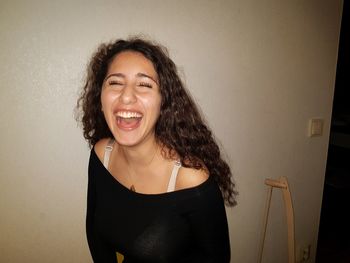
(103, 99)
(158, 105)
(153, 105)
(107, 98)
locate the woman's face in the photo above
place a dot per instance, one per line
(131, 98)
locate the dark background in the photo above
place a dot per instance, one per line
(334, 233)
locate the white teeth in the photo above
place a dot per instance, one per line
(128, 114)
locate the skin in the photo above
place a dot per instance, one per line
(131, 88)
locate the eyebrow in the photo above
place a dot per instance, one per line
(146, 76)
(121, 75)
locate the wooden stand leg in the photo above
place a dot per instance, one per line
(282, 183)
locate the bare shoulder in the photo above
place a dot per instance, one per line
(100, 147)
(190, 177)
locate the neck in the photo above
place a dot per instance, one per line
(140, 155)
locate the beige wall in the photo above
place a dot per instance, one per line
(258, 69)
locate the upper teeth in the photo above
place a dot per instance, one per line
(128, 114)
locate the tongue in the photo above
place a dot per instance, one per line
(128, 123)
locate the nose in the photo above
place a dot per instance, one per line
(128, 95)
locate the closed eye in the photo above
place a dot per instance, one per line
(113, 82)
(144, 84)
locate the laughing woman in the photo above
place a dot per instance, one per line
(157, 182)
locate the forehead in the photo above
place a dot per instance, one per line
(132, 61)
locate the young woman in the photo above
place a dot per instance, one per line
(157, 182)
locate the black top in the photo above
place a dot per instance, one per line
(188, 225)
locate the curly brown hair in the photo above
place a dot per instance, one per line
(180, 127)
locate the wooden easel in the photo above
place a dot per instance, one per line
(282, 184)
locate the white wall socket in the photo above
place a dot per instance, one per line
(303, 254)
(306, 253)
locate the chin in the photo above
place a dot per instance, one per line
(128, 140)
(134, 136)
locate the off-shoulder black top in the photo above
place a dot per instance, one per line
(187, 225)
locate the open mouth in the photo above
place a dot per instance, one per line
(128, 120)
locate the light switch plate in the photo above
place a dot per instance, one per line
(315, 127)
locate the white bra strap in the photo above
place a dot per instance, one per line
(172, 181)
(108, 150)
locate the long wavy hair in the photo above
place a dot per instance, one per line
(180, 127)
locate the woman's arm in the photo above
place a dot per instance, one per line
(209, 226)
(207, 215)
(100, 252)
